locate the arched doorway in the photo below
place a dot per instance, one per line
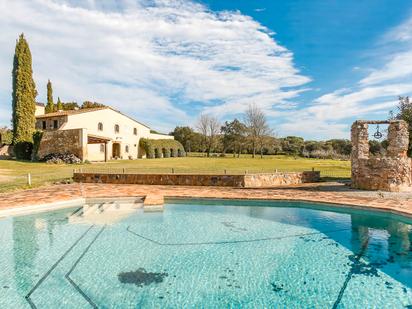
(116, 150)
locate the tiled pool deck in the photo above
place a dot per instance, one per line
(329, 192)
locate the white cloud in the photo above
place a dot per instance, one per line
(399, 67)
(329, 115)
(151, 59)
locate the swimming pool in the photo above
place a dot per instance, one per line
(204, 253)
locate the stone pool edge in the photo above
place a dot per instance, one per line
(63, 194)
(337, 205)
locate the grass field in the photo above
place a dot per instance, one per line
(13, 174)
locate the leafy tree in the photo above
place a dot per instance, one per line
(50, 105)
(89, 104)
(6, 136)
(292, 145)
(404, 112)
(190, 139)
(234, 134)
(23, 99)
(59, 104)
(341, 146)
(70, 106)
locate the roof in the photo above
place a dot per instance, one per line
(71, 112)
(40, 104)
(82, 111)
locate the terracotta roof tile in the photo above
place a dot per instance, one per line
(71, 112)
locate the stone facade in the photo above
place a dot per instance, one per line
(248, 181)
(389, 173)
(71, 141)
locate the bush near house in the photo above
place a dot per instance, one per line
(162, 148)
(6, 137)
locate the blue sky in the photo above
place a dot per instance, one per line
(313, 66)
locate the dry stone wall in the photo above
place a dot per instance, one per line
(249, 180)
(389, 173)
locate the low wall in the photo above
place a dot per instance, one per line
(248, 181)
(279, 179)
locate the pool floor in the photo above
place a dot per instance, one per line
(206, 255)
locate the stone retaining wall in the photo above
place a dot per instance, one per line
(249, 180)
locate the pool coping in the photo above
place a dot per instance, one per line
(22, 210)
(37, 208)
(61, 196)
(339, 206)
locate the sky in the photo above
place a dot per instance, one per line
(313, 66)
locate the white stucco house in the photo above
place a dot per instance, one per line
(94, 134)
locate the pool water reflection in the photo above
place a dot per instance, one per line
(201, 253)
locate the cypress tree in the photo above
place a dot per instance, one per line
(50, 105)
(59, 104)
(23, 99)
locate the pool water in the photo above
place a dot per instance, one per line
(206, 254)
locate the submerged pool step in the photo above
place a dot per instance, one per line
(106, 211)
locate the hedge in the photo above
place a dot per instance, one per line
(162, 148)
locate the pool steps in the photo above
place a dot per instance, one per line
(153, 203)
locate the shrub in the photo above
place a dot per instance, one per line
(23, 150)
(59, 158)
(6, 137)
(162, 147)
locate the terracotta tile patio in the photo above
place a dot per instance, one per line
(335, 193)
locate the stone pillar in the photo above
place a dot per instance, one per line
(398, 138)
(83, 144)
(106, 154)
(360, 140)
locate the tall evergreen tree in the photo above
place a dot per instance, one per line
(59, 104)
(23, 96)
(50, 105)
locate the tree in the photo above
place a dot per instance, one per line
(234, 133)
(70, 106)
(50, 105)
(59, 104)
(292, 145)
(90, 104)
(258, 128)
(190, 139)
(23, 99)
(405, 113)
(209, 127)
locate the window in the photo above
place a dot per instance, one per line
(55, 124)
(127, 148)
(44, 125)
(100, 126)
(135, 131)
(101, 147)
(116, 128)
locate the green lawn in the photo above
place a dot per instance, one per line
(13, 174)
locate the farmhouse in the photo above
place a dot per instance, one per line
(95, 134)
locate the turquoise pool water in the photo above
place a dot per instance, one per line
(206, 254)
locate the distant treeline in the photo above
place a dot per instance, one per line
(227, 144)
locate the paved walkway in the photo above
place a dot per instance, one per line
(331, 192)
